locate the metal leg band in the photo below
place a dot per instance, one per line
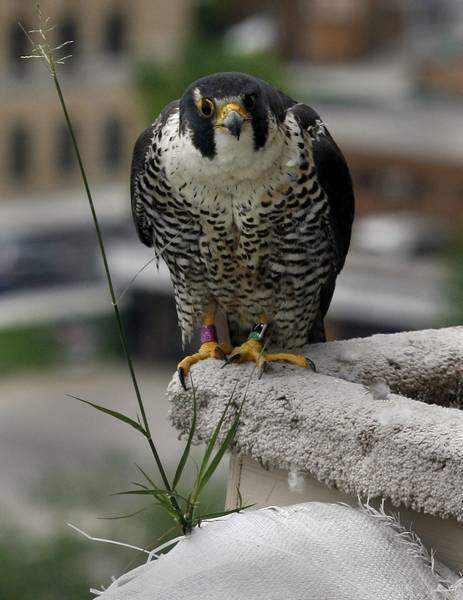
(258, 332)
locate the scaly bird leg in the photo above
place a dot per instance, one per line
(252, 350)
(210, 347)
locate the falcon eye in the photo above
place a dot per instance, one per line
(206, 107)
(249, 101)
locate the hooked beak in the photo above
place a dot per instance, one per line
(234, 122)
(232, 116)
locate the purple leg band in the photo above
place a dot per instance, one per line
(208, 334)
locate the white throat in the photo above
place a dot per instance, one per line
(234, 161)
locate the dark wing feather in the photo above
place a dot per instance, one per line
(140, 203)
(334, 177)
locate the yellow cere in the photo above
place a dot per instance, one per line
(227, 108)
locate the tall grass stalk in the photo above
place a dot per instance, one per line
(45, 51)
(184, 510)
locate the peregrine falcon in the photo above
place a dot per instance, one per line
(247, 198)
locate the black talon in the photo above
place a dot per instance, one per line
(227, 362)
(234, 358)
(311, 364)
(181, 377)
(221, 353)
(231, 359)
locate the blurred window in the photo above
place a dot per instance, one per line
(18, 46)
(19, 152)
(364, 178)
(68, 32)
(392, 183)
(112, 143)
(65, 157)
(343, 10)
(399, 184)
(115, 33)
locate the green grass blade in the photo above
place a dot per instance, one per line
(186, 452)
(158, 494)
(222, 514)
(204, 478)
(155, 487)
(141, 485)
(113, 413)
(133, 514)
(147, 477)
(174, 495)
(149, 492)
(161, 497)
(213, 440)
(135, 493)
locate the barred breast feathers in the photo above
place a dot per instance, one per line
(248, 228)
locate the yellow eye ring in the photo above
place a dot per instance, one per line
(206, 107)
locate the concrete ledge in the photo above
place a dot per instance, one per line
(425, 365)
(340, 432)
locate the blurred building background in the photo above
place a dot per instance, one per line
(35, 152)
(386, 77)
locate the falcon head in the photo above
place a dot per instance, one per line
(230, 114)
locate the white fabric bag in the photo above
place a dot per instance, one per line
(310, 551)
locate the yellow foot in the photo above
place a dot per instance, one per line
(207, 350)
(251, 351)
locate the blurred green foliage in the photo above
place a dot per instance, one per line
(50, 569)
(65, 565)
(210, 19)
(60, 564)
(27, 348)
(45, 345)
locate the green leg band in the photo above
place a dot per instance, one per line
(258, 332)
